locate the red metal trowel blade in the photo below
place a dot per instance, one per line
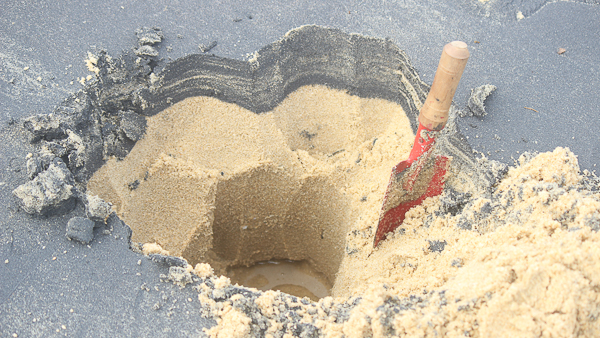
(410, 184)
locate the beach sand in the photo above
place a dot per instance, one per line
(222, 186)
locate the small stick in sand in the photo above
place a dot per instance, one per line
(531, 109)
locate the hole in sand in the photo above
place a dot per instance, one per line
(298, 278)
(219, 184)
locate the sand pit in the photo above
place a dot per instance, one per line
(231, 173)
(222, 185)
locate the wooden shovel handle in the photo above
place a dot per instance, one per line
(434, 113)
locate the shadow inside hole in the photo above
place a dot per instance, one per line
(265, 214)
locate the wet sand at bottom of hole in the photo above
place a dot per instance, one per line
(297, 278)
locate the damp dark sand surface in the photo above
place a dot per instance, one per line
(55, 287)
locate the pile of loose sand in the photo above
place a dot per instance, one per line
(521, 261)
(218, 184)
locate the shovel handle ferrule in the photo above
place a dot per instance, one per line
(434, 113)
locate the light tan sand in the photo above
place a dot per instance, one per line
(222, 185)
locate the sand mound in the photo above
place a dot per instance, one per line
(502, 252)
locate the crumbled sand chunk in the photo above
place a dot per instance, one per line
(231, 323)
(179, 276)
(222, 282)
(153, 248)
(92, 63)
(203, 270)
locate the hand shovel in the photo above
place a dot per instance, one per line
(422, 175)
